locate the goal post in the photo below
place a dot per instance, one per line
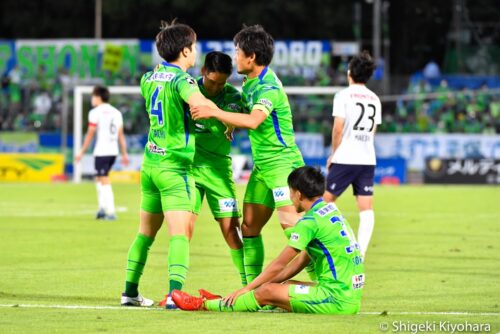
(80, 91)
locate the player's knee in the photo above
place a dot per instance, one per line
(263, 293)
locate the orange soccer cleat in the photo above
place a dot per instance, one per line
(187, 302)
(207, 295)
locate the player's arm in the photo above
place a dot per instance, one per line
(86, 143)
(269, 273)
(295, 267)
(123, 146)
(237, 120)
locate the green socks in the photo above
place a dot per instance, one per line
(238, 256)
(178, 261)
(244, 303)
(137, 256)
(253, 248)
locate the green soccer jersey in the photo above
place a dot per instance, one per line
(328, 239)
(212, 146)
(170, 143)
(273, 141)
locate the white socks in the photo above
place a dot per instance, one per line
(365, 230)
(100, 197)
(108, 199)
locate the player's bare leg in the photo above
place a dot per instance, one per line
(287, 216)
(366, 222)
(329, 197)
(274, 294)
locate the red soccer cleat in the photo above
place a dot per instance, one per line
(187, 302)
(207, 295)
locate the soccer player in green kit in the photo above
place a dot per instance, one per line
(272, 138)
(325, 235)
(212, 169)
(167, 183)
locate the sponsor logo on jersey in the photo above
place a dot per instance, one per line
(332, 187)
(265, 102)
(281, 194)
(302, 289)
(152, 148)
(295, 237)
(326, 210)
(159, 134)
(358, 281)
(161, 77)
(228, 205)
(191, 81)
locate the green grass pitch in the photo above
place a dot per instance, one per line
(435, 251)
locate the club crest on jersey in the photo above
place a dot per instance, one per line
(265, 102)
(358, 281)
(281, 194)
(228, 205)
(295, 237)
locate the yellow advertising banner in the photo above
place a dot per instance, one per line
(30, 167)
(112, 58)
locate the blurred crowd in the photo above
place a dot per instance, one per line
(36, 104)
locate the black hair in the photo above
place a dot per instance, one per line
(173, 38)
(361, 67)
(216, 61)
(255, 40)
(308, 180)
(102, 92)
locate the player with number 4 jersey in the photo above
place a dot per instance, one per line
(357, 111)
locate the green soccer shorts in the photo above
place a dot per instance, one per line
(269, 186)
(166, 190)
(318, 299)
(218, 186)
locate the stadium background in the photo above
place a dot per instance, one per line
(438, 76)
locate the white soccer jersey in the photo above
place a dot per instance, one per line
(108, 120)
(361, 110)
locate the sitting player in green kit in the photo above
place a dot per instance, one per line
(326, 238)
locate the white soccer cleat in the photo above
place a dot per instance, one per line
(136, 301)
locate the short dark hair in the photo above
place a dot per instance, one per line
(216, 61)
(361, 67)
(308, 180)
(102, 92)
(255, 40)
(173, 38)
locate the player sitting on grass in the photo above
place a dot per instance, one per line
(328, 240)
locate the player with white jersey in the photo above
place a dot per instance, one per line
(107, 122)
(357, 111)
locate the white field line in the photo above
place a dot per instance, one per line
(96, 307)
(13, 212)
